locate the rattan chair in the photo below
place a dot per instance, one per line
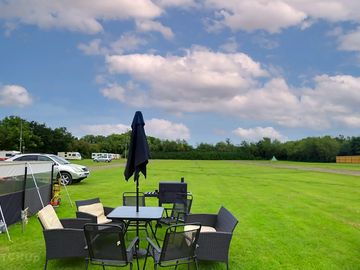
(66, 242)
(179, 247)
(216, 233)
(93, 218)
(106, 246)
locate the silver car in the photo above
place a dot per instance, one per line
(69, 172)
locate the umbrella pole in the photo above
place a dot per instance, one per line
(137, 193)
(137, 207)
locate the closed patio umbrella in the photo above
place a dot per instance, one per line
(138, 154)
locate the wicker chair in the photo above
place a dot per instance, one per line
(65, 242)
(106, 246)
(216, 233)
(93, 218)
(179, 247)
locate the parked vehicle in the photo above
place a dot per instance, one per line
(69, 155)
(102, 157)
(8, 154)
(70, 173)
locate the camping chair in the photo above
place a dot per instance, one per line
(106, 246)
(215, 236)
(177, 213)
(63, 238)
(129, 199)
(178, 248)
(94, 210)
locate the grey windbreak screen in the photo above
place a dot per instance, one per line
(18, 190)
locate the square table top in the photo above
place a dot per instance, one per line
(129, 213)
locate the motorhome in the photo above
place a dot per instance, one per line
(98, 157)
(107, 155)
(69, 155)
(8, 154)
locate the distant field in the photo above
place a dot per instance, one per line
(342, 166)
(289, 218)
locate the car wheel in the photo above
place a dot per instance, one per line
(66, 178)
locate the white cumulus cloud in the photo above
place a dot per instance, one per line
(234, 84)
(14, 96)
(176, 3)
(154, 26)
(273, 16)
(115, 92)
(258, 133)
(104, 129)
(165, 129)
(192, 82)
(80, 15)
(125, 43)
(92, 48)
(350, 41)
(158, 128)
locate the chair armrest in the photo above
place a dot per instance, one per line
(181, 217)
(132, 244)
(107, 210)
(153, 245)
(86, 216)
(54, 233)
(203, 219)
(214, 246)
(75, 223)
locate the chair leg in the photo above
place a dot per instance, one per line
(227, 265)
(46, 262)
(137, 261)
(86, 264)
(196, 264)
(146, 256)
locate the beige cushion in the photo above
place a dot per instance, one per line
(95, 209)
(204, 229)
(49, 218)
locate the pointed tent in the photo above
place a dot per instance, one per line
(273, 159)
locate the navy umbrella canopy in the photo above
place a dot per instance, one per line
(139, 153)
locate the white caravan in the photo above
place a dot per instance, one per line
(69, 155)
(8, 154)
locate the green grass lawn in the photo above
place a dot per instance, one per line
(288, 219)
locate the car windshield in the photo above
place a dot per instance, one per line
(60, 160)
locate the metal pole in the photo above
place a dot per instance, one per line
(67, 192)
(37, 188)
(137, 192)
(20, 146)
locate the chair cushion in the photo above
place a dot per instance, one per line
(49, 218)
(204, 229)
(95, 209)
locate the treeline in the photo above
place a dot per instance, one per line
(38, 137)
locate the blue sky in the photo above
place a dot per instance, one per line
(202, 71)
